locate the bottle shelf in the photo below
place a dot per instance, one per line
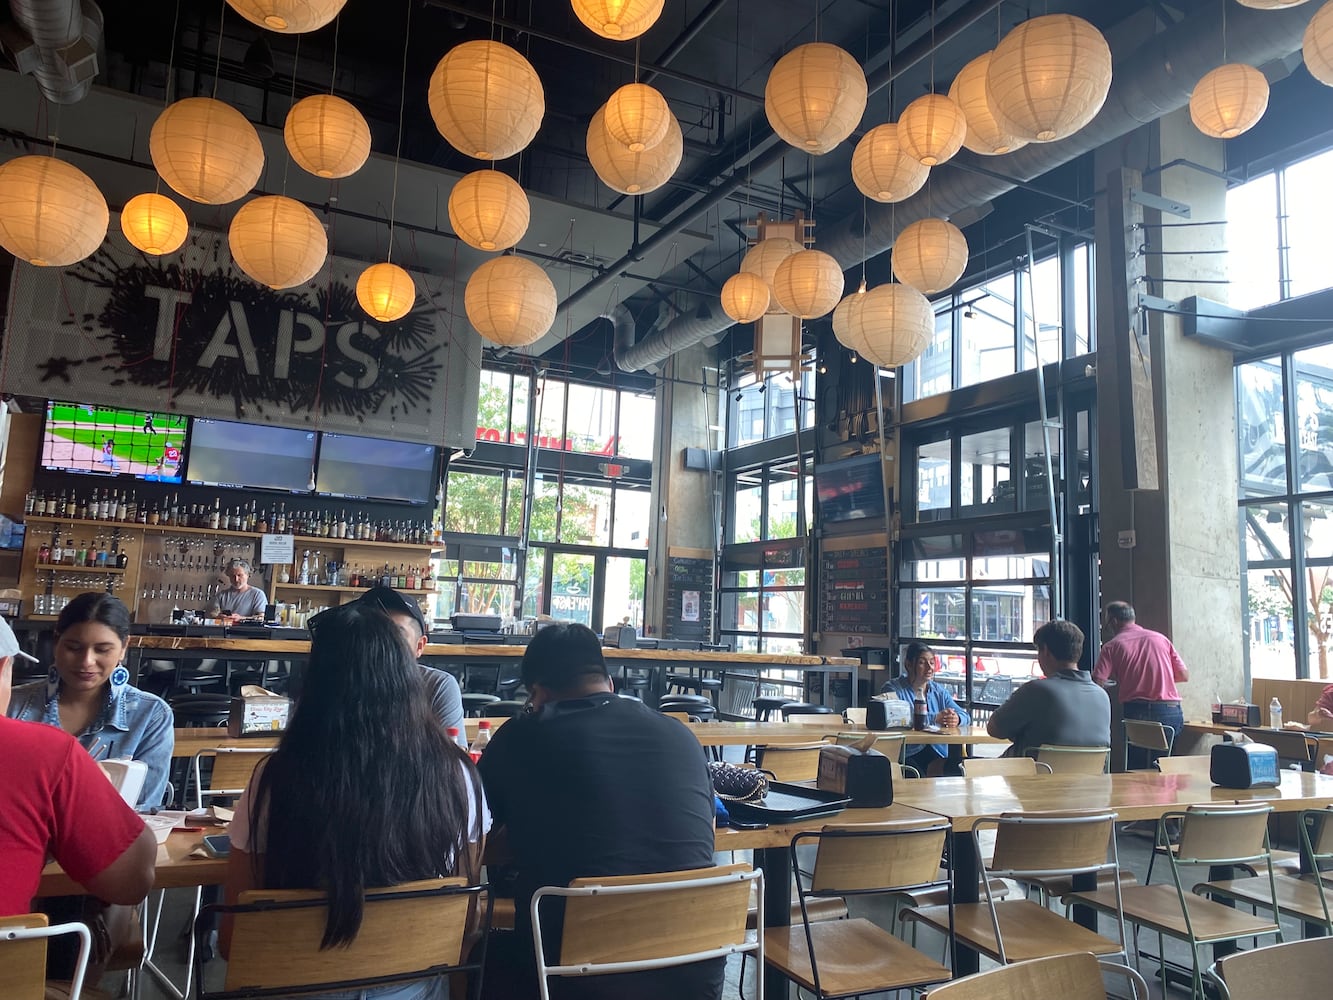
(70, 568)
(303, 541)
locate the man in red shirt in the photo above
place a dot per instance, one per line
(1146, 669)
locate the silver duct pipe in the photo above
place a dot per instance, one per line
(56, 42)
(684, 331)
(1154, 79)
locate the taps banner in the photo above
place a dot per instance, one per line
(189, 332)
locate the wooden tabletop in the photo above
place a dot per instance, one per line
(724, 734)
(175, 868)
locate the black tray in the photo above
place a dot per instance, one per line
(786, 803)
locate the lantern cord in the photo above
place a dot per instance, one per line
(1224, 31)
(171, 57)
(291, 102)
(402, 100)
(217, 64)
(337, 29)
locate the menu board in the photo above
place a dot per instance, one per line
(854, 592)
(689, 609)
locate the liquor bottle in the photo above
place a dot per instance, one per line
(104, 506)
(215, 516)
(122, 560)
(57, 552)
(262, 525)
(304, 578)
(154, 516)
(62, 505)
(81, 509)
(175, 509)
(30, 502)
(69, 551)
(280, 527)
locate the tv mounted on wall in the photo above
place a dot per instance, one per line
(252, 456)
(851, 489)
(376, 469)
(114, 441)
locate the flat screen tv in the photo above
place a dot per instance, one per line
(254, 456)
(375, 469)
(114, 441)
(850, 490)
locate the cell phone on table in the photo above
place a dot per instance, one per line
(741, 824)
(217, 845)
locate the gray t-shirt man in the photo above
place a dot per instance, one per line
(445, 695)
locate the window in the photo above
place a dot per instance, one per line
(759, 411)
(763, 598)
(764, 503)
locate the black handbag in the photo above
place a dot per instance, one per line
(732, 783)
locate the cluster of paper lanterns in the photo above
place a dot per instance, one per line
(889, 326)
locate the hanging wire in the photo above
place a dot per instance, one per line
(337, 29)
(402, 100)
(291, 101)
(217, 64)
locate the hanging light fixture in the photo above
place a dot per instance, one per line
(206, 150)
(633, 173)
(808, 284)
(815, 97)
(745, 297)
(763, 259)
(932, 129)
(968, 91)
(618, 20)
(510, 301)
(930, 255)
(1229, 100)
(488, 210)
(154, 224)
(291, 17)
(486, 99)
(51, 213)
(327, 136)
(386, 292)
(882, 170)
(1048, 77)
(1317, 45)
(845, 315)
(637, 117)
(277, 241)
(892, 326)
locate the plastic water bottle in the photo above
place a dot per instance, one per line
(482, 741)
(1275, 714)
(457, 736)
(919, 714)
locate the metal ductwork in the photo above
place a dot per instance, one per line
(56, 42)
(1154, 79)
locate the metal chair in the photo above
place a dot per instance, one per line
(1297, 968)
(984, 767)
(23, 956)
(1153, 737)
(1069, 977)
(891, 745)
(1290, 744)
(1074, 760)
(793, 762)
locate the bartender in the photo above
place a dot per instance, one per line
(241, 600)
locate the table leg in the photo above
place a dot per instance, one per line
(776, 865)
(966, 879)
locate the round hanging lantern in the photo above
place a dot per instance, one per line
(1317, 45)
(930, 255)
(968, 91)
(745, 297)
(763, 259)
(633, 173)
(510, 301)
(486, 100)
(1229, 100)
(1270, 4)
(815, 97)
(206, 151)
(808, 284)
(488, 210)
(932, 129)
(291, 17)
(51, 213)
(277, 241)
(327, 136)
(844, 316)
(1048, 77)
(386, 292)
(154, 224)
(882, 169)
(892, 326)
(618, 19)
(637, 117)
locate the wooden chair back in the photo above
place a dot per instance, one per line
(797, 762)
(1290, 744)
(1317, 837)
(232, 769)
(1199, 765)
(855, 716)
(678, 716)
(414, 928)
(891, 745)
(1149, 735)
(1219, 834)
(984, 767)
(1070, 977)
(871, 856)
(23, 940)
(824, 719)
(1045, 842)
(1074, 760)
(1296, 968)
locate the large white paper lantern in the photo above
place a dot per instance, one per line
(486, 99)
(1229, 100)
(844, 316)
(51, 213)
(386, 292)
(510, 301)
(154, 224)
(488, 210)
(815, 97)
(745, 297)
(291, 17)
(327, 136)
(637, 117)
(633, 173)
(932, 129)
(1048, 77)
(277, 241)
(206, 150)
(763, 259)
(891, 327)
(968, 91)
(618, 19)
(1317, 45)
(882, 170)
(808, 284)
(930, 255)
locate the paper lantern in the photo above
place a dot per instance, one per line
(891, 327)
(486, 100)
(637, 117)
(51, 213)
(510, 301)
(764, 257)
(327, 136)
(808, 284)
(1229, 100)
(931, 129)
(618, 19)
(968, 91)
(633, 173)
(815, 97)
(488, 210)
(154, 224)
(386, 292)
(206, 151)
(291, 17)
(745, 297)
(1048, 77)
(1270, 4)
(930, 255)
(882, 169)
(1317, 45)
(277, 241)
(844, 317)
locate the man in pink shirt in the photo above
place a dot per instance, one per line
(1146, 669)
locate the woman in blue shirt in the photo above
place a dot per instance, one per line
(941, 710)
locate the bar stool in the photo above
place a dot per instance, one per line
(766, 705)
(505, 709)
(803, 708)
(691, 704)
(475, 704)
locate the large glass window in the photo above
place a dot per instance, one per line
(762, 410)
(763, 598)
(764, 503)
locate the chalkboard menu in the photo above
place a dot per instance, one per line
(689, 608)
(854, 592)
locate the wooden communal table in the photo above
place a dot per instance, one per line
(725, 734)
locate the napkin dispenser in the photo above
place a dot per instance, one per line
(864, 776)
(258, 712)
(888, 712)
(1244, 765)
(1237, 714)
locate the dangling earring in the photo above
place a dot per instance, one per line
(52, 683)
(120, 680)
